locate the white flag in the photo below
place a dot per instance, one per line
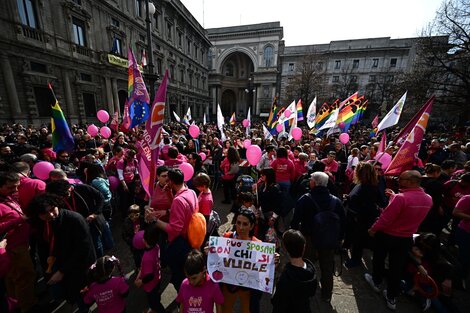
(266, 133)
(292, 108)
(311, 113)
(393, 115)
(178, 119)
(294, 123)
(331, 120)
(204, 119)
(220, 122)
(248, 117)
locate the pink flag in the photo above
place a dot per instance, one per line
(401, 137)
(406, 156)
(383, 142)
(114, 122)
(126, 119)
(375, 121)
(150, 144)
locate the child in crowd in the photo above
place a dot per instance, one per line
(149, 275)
(107, 291)
(271, 233)
(133, 223)
(198, 292)
(202, 182)
(298, 281)
(247, 201)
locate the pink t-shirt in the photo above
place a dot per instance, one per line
(150, 264)
(285, 170)
(464, 206)
(109, 296)
(206, 203)
(199, 299)
(28, 189)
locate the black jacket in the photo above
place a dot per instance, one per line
(294, 289)
(270, 199)
(74, 251)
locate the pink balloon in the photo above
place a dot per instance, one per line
(279, 128)
(105, 131)
(296, 133)
(287, 113)
(194, 131)
(42, 169)
(246, 123)
(92, 130)
(113, 183)
(203, 156)
(253, 154)
(138, 240)
(246, 143)
(344, 138)
(341, 125)
(384, 158)
(103, 116)
(187, 170)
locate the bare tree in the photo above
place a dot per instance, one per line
(442, 66)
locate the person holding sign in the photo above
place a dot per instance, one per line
(244, 226)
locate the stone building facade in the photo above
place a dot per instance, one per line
(68, 43)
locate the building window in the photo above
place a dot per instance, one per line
(138, 8)
(389, 78)
(291, 67)
(337, 64)
(169, 30)
(197, 81)
(89, 104)
(79, 2)
(142, 37)
(356, 64)
(268, 56)
(266, 91)
(180, 39)
(85, 77)
(319, 66)
(182, 75)
(375, 62)
(190, 77)
(27, 12)
(115, 22)
(156, 20)
(353, 78)
(44, 101)
(172, 71)
(195, 52)
(203, 55)
(393, 62)
(38, 67)
(117, 46)
(79, 32)
(188, 47)
(159, 66)
(335, 79)
(372, 78)
(229, 69)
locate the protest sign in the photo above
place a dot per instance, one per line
(241, 263)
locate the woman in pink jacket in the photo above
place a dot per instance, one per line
(285, 175)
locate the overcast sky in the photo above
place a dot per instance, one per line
(320, 21)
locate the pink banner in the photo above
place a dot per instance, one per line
(408, 153)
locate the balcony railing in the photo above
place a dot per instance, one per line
(32, 33)
(83, 51)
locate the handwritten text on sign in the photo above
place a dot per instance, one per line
(242, 263)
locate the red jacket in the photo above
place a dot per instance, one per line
(404, 213)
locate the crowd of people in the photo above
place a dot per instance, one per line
(310, 197)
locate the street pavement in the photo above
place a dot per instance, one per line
(351, 293)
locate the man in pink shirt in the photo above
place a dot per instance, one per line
(182, 208)
(29, 187)
(393, 232)
(331, 166)
(462, 213)
(21, 276)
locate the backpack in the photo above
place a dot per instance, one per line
(300, 186)
(326, 226)
(196, 227)
(244, 183)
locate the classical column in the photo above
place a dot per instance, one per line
(256, 107)
(109, 95)
(214, 100)
(68, 95)
(13, 101)
(115, 94)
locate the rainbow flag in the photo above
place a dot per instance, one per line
(272, 114)
(62, 138)
(350, 112)
(138, 96)
(325, 112)
(300, 116)
(232, 119)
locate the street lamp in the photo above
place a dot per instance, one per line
(150, 76)
(250, 91)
